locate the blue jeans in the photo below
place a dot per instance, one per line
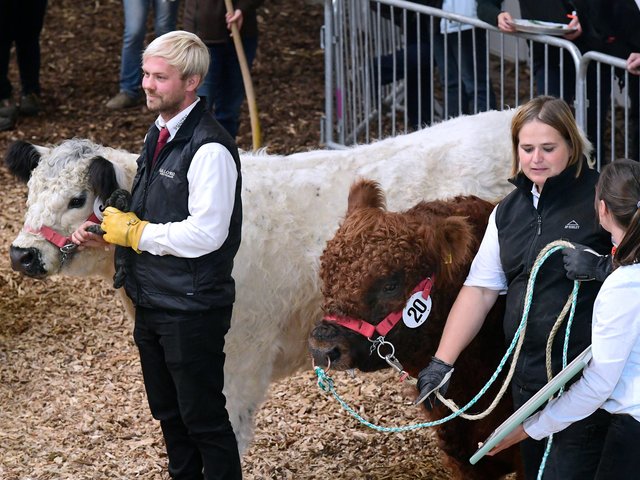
(223, 86)
(474, 82)
(135, 29)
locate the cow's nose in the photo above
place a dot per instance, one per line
(27, 261)
(324, 332)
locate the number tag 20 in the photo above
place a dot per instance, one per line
(416, 311)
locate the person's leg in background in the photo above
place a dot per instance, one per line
(135, 29)
(8, 108)
(633, 90)
(27, 41)
(418, 85)
(224, 85)
(165, 16)
(597, 112)
(474, 73)
(446, 54)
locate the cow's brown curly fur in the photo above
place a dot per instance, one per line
(369, 269)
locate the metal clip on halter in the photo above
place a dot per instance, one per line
(390, 358)
(67, 250)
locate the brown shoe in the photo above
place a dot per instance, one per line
(123, 100)
(30, 104)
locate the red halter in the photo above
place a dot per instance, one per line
(385, 326)
(54, 237)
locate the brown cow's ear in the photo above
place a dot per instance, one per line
(365, 194)
(454, 239)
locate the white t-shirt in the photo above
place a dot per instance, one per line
(486, 269)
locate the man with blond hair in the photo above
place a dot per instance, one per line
(183, 232)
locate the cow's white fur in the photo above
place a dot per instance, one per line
(292, 206)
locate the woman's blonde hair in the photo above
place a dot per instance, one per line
(556, 113)
(182, 50)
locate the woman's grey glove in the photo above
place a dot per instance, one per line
(583, 263)
(434, 377)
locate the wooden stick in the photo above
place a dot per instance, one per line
(246, 79)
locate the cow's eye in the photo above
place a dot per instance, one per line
(390, 287)
(78, 202)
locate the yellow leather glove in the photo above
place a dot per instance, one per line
(122, 228)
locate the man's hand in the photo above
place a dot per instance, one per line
(583, 263)
(122, 228)
(435, 377)
(235, 17)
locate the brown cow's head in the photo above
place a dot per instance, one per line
(373, 263)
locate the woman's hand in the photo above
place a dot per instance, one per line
(633, 63)
(82, 238)
(505, 22)
(516, 436)
(574, 23)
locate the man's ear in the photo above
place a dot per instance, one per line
(193, 82)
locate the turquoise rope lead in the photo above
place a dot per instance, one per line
(326, 383)
(565, 349)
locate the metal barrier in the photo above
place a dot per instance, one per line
(617, 105)
(389, 70)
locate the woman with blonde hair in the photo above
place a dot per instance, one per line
(610, 382)
(553, 199)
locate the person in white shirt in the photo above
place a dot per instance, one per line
(182, 235)
(611, 380)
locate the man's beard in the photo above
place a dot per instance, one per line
(163, 105)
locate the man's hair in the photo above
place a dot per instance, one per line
(182, 50)
(556, 113)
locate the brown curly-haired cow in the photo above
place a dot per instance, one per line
(371, 268)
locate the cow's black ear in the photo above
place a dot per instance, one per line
(21, 158)
(102, 177)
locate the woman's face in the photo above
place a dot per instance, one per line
(542, 152)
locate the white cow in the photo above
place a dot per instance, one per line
(292, 206)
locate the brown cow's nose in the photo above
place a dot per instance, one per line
(324, 332)
(27, 261)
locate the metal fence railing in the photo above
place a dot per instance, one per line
(392, 66)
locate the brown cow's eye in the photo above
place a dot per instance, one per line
(390, 287)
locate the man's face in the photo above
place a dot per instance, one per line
(167, 93)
